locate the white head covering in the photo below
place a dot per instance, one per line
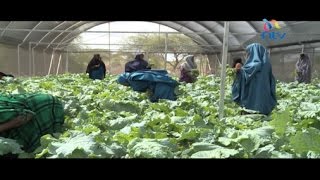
(189, 64)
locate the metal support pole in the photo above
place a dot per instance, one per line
(44, 62)
(109, 50)
(67, 62)
(18, 50)
(59, 64)
(51, 62)
(209, 66)
(302, 50)
(159, 34)
(312, 61)
(223, 69)
(33, 64)
(165, 50)
(206, 66)
(30, 65)
(200, 67)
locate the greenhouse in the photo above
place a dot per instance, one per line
(160, 89)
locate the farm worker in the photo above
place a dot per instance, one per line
(5, 75)
(303, 69)
(137, 64)
(188, 70)
(237, 63)
(27, 117)
(96, 68)
(157, 82)
(254, 86)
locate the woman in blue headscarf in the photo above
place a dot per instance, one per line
(157, 82)
(255, 87)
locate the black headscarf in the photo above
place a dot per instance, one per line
(96, 60)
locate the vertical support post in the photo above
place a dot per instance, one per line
(67, 62)
(59, 64)
(209, 66)
(165, 50)
(44, 62)
(51, 62)
(200, 67)
(30, 60)
(206, 66)
(223, 69)
(33, 63)
(18, 51)
(312, 61)
(159, 33)
(109, 51)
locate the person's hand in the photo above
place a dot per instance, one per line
(21, 120)
(16, 122)
(238, 67)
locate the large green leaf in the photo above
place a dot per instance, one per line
(108, 116)
(265, 152)
(305, 141)
(281, 121)
(216, 153)
(78, 145)
(9, 146)
(149, 148)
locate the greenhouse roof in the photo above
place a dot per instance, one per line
(207, 34)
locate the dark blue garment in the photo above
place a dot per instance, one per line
(97, 73)
(136, 65)
(157, 81)
(255, 86)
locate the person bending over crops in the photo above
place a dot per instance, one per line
(27, 117)
(157, 83)
(96, 68)
(137, 64)
(188, 70)
(5, 75)
(254, 86)
(303, 69)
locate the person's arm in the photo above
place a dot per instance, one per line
(149, 65)
(305, 68)
(16, 122)
(298, 69)
(104, 68)
(92, 64)
(251, 69)
(145, 64)
(187, 72)
(88, 67)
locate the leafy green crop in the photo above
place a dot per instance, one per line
(108, 120)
